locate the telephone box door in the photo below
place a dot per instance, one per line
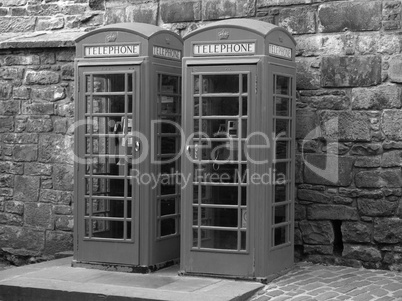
(107, 200)
(219, 108)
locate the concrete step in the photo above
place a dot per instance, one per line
(57, 281)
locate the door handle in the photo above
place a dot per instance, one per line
(137, 146)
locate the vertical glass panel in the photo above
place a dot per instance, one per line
(245, 83)
(222, 106)
(88, 83)
(244, 196)
(196, 106)
(217, 83)
(280, 193)
(280, 214)
(129, 230)
(130, 82)
(282, 149)
(281, 172)
(168, 206)
(168, 226)
(168, 145)
(195, 237)
(282, 128)
(280, 235)
(244, 105)
(170, 84)
(167, 189)
(86, 228)
(108, 229)
(168, 104)
(197, 84)
(243, 245)
(219, 239)
(282, 106)
(282, 85)
(169, 125)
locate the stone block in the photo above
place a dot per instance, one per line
(11, 219)
(298, 20)
(388, 230)
(6, 88)
(22, 238)
(179, 11)
(313, 196)
(14, 168)
(39, 124)
(351, 71)
(392, 158)
(67, 71)
(327, 102)
(332, 212)
(67, 55)
(26, 188)
(38, 169)
(21, 92)
(63, 177)
(328, 170)
(356, 232)
(369, 149)
(368, 162)
(307, 125)
(389, 44)
(64, 222)
(13, 73)
(37, 108)
(376, 207)
(6, 124)
(14, 207)
(50, 196)
(60, 125)
(318, 44)
(377, 98)
(389, 178)
(362, 252)
(352, 16)
(20, 138)
(143, 13)
(22, 60)
(25, 152)
(55, 148)
(215, 9)
(395, 69)
(49, 93)
(367, 44)
(39, 215)
(58, 241)
(317, 232)
(299, 169)
(63, 210)
(97, 4)
(307, 77)
(387, 145)
(345, 126)
(112, 16)
(65, 110)
(49, 23)
(42, 77)
(9, 107)
(390, 124)
(17, 24)
(6, 180)
(48, 58)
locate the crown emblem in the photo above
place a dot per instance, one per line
(111, 37)
(223, 34)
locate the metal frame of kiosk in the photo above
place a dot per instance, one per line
(128, 108)
(239, 125)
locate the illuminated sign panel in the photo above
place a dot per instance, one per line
(167, 52)
(112, 50)
(224, 48)
(280, 51)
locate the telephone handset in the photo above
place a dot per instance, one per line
(228, 130)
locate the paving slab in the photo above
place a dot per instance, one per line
(57, 281)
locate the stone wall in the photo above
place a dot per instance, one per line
(36, 180)
(349, 118)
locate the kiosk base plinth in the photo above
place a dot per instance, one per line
(115, 267)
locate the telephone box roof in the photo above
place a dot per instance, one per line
(259, 27)
(142, 29)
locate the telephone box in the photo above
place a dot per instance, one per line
(127, 136)
(239, 124)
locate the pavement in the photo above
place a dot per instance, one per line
(313, 282)
(57, 281)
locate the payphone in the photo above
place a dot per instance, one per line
(127, 141)
(239, 125)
